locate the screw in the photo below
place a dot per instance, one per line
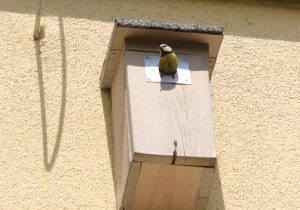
(147, 57)
(184, 59)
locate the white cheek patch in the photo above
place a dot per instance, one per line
(168, 49)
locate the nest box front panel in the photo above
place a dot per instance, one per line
(168, 187)
(160, 113)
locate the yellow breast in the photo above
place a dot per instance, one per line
(168, 64)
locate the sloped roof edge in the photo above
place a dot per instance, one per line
(180, 27)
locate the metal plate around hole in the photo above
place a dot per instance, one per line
(183, 75)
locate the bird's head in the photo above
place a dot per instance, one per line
(164, 49)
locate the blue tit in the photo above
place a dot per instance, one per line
(168, 62)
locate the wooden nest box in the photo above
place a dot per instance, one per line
(164, 147)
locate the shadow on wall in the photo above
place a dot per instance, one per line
(216, 200)
(265, 20)
(49, 164)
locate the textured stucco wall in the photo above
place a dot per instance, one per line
(55, 123)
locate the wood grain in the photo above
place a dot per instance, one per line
(161, 113)
(201, 204)
(204, 189)
(131, 185)
(122, 153)
(214, 41)
(158, 36)
(167, 187)
(147, 118)
(181, 160)
(206, 180)
(143, 45)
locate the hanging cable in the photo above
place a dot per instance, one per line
(37, 29)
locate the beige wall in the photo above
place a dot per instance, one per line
(55, 123)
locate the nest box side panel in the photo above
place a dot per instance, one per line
(131, 186)
(120, 133)
(161, 113)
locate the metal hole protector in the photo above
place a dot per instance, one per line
(183, 75)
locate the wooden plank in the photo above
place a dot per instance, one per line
(130, 170)
(105, 83)
(111, 65)
(114, 54)
(131, 186)
(122, 153)
(196, 161)
(110, 74)
(201, 204)
(211, 65)
(180, 160)
(204, 188)
(163, 36)
(128, 109)
(206, 180)
(161, 112)
(143, 112)
(167, 187)
(211, 62)
(150, 158)
(144, 45)
(210, 70)
(158, 36)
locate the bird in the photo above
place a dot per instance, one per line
(168, 62)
